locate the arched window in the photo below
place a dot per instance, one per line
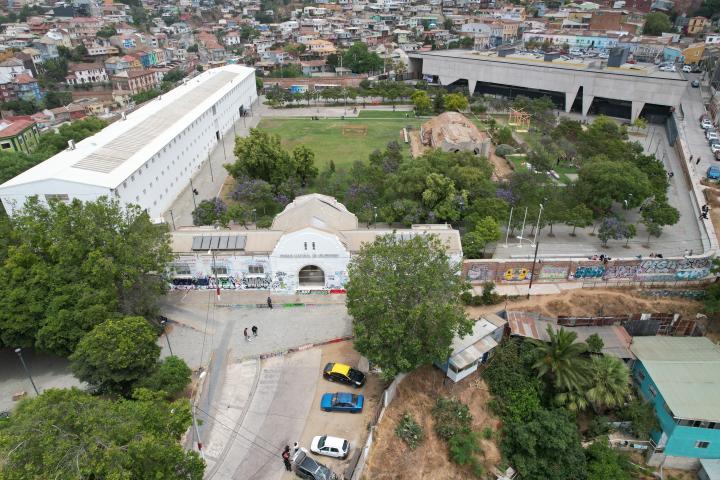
(311, 276)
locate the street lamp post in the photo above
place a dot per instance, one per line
(532, 270)
(522, 229)
(163, 324)
(22, 360)
(537, 227)
(507, 232)
(214, 268)
(255, 218)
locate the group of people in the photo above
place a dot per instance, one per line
(286, 455)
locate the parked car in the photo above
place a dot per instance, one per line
(307, 467)
(603, 55)
(339, 372)
(667, 68)
(342, 402)
(706, 123)
(715, 146)
(330, 446)
(712, 135)
(717, 156)
(695, 83)
(713, 173)
(687, 69)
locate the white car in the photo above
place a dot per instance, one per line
(715, 147)
(667, 68)
(706, 123)
(712, 135)
(687, 69)
(330, 446)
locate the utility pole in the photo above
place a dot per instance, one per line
(507, 232)
(532, 270)
(22, 360)
(163, 323)
(197, 433)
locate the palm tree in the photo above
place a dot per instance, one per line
(561, 360)
(609, 382)
(573, 400)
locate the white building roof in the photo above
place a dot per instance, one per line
(686, 371)
(110, 156)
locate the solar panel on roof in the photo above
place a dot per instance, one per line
(219, 242)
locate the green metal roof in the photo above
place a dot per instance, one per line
(686, 371)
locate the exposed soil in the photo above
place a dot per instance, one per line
(390, 458)
(503, 169)
(596, 301)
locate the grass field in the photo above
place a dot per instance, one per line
(384, 114)
(343, 141)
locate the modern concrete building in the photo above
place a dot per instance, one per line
(680, 376)
(147, 158)
(306, 250)
(630, 89)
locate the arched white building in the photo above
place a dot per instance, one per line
(307, 248)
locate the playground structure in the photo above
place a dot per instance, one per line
(519, 119)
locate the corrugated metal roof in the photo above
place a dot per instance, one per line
(114, 153)
(686, 371)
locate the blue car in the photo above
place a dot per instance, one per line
(342, 402)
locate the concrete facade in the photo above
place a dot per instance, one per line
(638, 87)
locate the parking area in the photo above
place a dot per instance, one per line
(349, 426)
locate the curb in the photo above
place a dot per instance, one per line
(300, 348)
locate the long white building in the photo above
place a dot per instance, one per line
(149, 157)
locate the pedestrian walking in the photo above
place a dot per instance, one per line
(286, 458)
(254, 330)
(247, 336)
(691, 157)
(698, 161)
(269, 302)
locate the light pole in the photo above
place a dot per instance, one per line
(255, 218)
(22, 360)
(212, 178)
(163, 324)
(522, 230)
(537, 227)
(532, 270)
(214, 269)
(507, 232)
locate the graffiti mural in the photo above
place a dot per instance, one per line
(693, 294)
(254, 282)
(621, 272)
(479, 272)
(553, 272)
(589, 271)
(517, 274)
(336, 281)
(692, 274)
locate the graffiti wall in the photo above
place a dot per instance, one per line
(640, 270)
(191, 272)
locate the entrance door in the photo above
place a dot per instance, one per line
(311, 276)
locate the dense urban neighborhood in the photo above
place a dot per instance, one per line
(360, 240)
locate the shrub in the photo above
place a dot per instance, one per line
(171, 376)
(452, 417)
(489, 297)
(263, 222)
(466, 298)
(478, 107)
(464, 449)
(504, 150)
(208, 212)
(598, 426)
(642, 416)
(504, 136)
(487, 433)
(410, 431)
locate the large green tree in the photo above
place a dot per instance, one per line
(72, 435)
(603, 462)
(403, 295)
(455, 101)
(260, 155)
(546, 446)
(656, 23)
(361, 60)
(486, 230)
(114, 355)
(561, 360)
(70, 266)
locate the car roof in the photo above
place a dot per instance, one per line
(334, 441)
(344, 397)
(340, 368)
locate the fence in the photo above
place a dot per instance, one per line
(357, 465)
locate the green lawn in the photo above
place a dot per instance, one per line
(330, 141)
(384, 114)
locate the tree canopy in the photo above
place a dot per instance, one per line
(657, 23)
(361, 60)
(403, 296)
(70, 266)
(72, 435)
(114, 355)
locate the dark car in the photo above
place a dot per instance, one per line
(307, 467)
(339, 372)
